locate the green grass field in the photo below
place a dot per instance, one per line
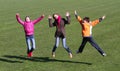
(106, 34)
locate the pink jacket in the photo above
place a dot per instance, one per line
(28, 26)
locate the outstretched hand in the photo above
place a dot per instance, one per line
(75, 12)
(103, 17)
(49, 17)
(43, 15)
(67, 14)
(17, 14)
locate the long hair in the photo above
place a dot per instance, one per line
(55, 14)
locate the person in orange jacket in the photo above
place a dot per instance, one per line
(87, 33)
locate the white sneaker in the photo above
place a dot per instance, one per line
(53, 54)
(104, 54)
(70, 54)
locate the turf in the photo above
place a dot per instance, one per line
(106, 34)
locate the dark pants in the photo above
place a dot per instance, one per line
(92, 42)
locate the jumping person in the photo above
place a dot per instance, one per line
(60, 23)
(29, 32)
(87, 33)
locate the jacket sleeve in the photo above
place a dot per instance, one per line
(50, 23)
(38, 19)
(68, 20)
(19, 19)
(95, 22)
(79, 19)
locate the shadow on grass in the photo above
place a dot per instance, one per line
(9, 61)
(42, 59)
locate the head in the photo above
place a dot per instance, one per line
(55, 16)
(27, 19)
(86, 19)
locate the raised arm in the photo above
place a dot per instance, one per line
(51, 24)
(102, 18)
(78, 17)
(19, 19)
(68, 18)
(38, 19)
(98, 20)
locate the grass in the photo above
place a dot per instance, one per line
(106, 34)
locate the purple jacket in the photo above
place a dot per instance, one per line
(28, 26)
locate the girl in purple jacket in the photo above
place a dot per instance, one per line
(29, 32)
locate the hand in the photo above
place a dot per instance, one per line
(17, 14)
(67, 14)
(103, 17)
(49, 17)
(75, 12)
(43, 15)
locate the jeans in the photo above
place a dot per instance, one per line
(57, 41)
(30, 41)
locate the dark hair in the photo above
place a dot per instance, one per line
(26, 17)
(86, 19)
(55, 14)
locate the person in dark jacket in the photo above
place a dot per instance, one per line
(60, 23)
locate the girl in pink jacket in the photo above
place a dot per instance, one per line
(29, 31)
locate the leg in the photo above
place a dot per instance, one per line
(94, 44)
(84, 41)
(28, 44)
(56, 44)
(33, 43)
(66, 47)
(29, 48)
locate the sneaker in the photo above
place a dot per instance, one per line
(70, 54)
(53, 54)
(104, 54)
(30, 54)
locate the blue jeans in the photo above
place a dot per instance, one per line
(30, 41)
(57, 41)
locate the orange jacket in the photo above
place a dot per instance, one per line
(87, 27)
